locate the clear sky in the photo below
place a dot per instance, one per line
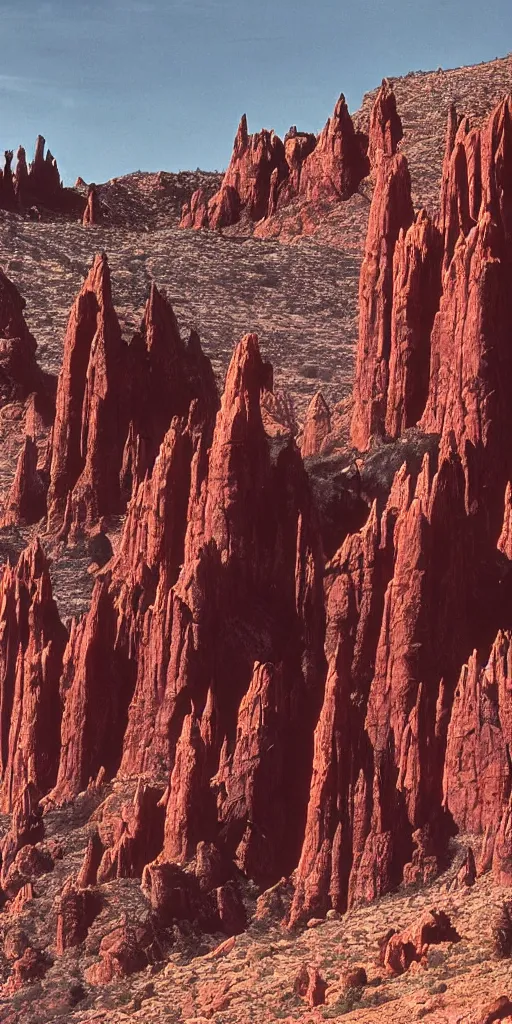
(122, 85)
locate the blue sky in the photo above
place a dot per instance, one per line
(122, 85)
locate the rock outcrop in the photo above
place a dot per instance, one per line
(391, 212)
(32, 651)
(20, 374)
(265, 174)
(385, 130)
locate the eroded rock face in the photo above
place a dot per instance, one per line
(385, 125)
(91, 417)
(264, 174)
(338, 162)
(115, 402)
(317, 426)
(26, 503)
(391, 211)
(20, 374)
(477, 773)
(246, 184)
(34, 642)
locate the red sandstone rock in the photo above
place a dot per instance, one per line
(317, 425)
(136, 834)
(30, 862)
(391, 210)
(297, 147)
(195, 213)
(44, 181)
(355, 978)
(90, 406)
(30, 967)
(21, 177)
(91, 212)
(416, 293)
(123, 952)
(354, 596)
(411, 945)
(497, 1010)
(29, 692)
(310, 985)
(27, 499)
(96, 684)
(171, 892)
(423, 866)
(338, 162)
(19, 372)
(15, 943)
(502, 853)
(466, 875)
(74, 915)
(385, 125)
(88, 873)
(246, 183)
(477, 772)
(233, 917)
(248, 783)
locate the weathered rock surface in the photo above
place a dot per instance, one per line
(265, 175)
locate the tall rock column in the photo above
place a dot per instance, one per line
(90, 423)
(391, 211)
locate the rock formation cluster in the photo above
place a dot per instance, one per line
(265, 173)
(36, 186)
(340, 719)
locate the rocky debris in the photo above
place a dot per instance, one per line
(15, 943)
(411, 945)
(30, 967)
(274, 904)
(123, 951)
(502, 931)
(310, 985)
(497, 1010)
(502, 852)
(75, 912)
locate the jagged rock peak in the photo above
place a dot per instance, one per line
(385, 124)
